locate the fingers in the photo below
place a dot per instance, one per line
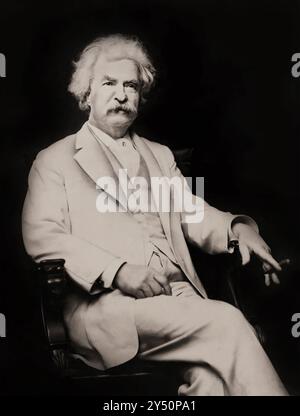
(146, 288)
(271, 278)
(143, 292)
(267, 279)
(269, 261)
(140, 294)
(154, 284)
(163, 281)
(156, 287)
(245, 253)
(275, 278)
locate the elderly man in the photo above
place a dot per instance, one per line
(137, 292)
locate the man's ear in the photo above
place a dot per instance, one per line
(87, 102)
(88, 96)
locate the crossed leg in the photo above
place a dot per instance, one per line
(220, 349)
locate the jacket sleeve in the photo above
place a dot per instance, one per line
(207, 227)
(47, 230)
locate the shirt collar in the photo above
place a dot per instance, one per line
(108, 140)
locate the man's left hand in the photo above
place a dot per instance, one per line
(251, 242)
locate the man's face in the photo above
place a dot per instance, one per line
(114, 96)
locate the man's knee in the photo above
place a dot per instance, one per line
(227, 319)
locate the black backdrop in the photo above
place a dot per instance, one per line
(225, 87)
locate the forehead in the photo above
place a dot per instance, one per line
(121, 69)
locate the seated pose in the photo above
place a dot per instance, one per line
(136, 294)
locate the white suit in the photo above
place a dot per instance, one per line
(60, 220)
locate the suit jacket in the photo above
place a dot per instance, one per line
(60, 220)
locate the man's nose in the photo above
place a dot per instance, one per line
(120, 95)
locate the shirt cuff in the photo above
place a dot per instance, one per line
(243, 219)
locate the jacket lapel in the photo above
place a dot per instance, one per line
(93, 160)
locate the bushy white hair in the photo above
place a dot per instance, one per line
(112, 47)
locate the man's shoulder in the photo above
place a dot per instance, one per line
(60, 150)
(152, 143)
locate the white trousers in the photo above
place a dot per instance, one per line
(221, 352)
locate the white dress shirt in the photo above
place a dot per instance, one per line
(123, 149)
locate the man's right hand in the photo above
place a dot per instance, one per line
(141, 281)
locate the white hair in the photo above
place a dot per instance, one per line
(113, 47)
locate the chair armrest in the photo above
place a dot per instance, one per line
(232, 275)
(54, 276)
(53, 279)
(232, 272)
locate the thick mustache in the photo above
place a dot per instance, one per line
(126, 109)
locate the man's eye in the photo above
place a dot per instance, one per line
(107, 83)
(133, 86)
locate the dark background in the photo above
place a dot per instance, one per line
(225, 87)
